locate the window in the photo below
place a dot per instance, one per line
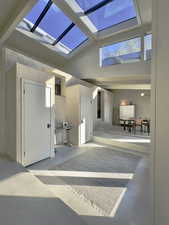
(105, 14)
(148, 47)
(58, 87)
(52, 26)
(122, 52)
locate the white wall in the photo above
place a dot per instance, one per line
(77, 109)
(60, 116)
(87, 65)
(12, 57)
(11, 115)
(160, 110)
(60, 108)
(108, 107)
(8, 59)
(73, 112)
(2, 101)
(142, 104)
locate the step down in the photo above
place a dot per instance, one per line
(129, 147)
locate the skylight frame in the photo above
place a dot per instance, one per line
(108, 31)
(146, 48)
(88, 29)
(103, 22)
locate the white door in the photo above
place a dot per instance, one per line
(37, 122)
(86, 125)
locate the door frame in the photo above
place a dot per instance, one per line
(36, 83)
(88, 126)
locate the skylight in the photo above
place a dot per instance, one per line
(111, 13)
(48, 24)
(47, 20)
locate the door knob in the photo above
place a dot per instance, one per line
(48, 125)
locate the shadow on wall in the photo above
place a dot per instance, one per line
(116, 117)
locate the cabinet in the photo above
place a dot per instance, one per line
(127, 112)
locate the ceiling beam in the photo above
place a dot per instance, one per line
(129, 86)
(129, 33)
(130, 82)
(22, 7)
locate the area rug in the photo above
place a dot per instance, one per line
(99, 177)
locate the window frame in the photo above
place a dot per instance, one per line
(108, 30)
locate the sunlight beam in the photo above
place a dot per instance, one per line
(60, 173)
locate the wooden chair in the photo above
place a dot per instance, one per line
(145, 126)
(131, 126)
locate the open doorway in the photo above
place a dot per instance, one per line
(130, 126)
(99, 105)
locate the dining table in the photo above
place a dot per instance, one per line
(132, 123)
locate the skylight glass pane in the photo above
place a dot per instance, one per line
(148, 47)
(55, 22)
(87, 4)
(73, 39)
(113, 13)
(52, 25)
(33, 15)
(122, 52)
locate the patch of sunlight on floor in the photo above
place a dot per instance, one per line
(76, 202)
(130, 140)
(82, 174)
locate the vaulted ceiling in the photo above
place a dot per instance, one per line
(14, 11)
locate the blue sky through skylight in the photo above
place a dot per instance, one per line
(33, 15)
(111, 14)
(74, 38)
(54, 23)
(132, 45)
(87, 4)
(128, 50)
